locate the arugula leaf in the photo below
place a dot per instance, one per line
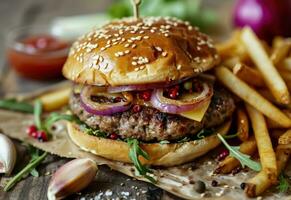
(229, 136)
(91, 131)
(12, 104)
(37, 114)
(34, 162)
(241, 157)
(34, 172)
(54, 117)
(283, 183)
(203, 133)
(134, 152)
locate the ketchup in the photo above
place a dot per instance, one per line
(39, 57)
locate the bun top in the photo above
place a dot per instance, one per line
(146, 50)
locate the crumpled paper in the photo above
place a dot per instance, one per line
(178, 180)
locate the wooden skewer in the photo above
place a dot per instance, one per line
(135, 4)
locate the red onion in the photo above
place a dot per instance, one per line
(177, 106)
(267, 18)
(96, 108)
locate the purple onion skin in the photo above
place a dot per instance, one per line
(268, 18)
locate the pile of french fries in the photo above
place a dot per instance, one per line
(260, 75)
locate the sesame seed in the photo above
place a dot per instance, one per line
(164, 54)
(146, 37)
(158, 48)
(134, 63)
(136, 69)
(127, 51)
(179, 67)
(166, 35)
(133, 46)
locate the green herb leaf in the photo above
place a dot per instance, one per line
(134, 152)
(242, 158)
(37, 114)
(283, 183)
(229, 136)
(54, 117)
(91, 131)
(203, 133)
(12, 104)
(26, 170)
(34, 172)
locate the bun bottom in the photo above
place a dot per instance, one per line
(160, 154)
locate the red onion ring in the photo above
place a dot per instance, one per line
(106, 108)
(177, 106)
(141, 87)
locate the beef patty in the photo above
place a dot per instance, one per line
(152, 125)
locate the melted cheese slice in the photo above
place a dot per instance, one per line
(198, 113)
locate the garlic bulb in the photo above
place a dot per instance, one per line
(71, 178)
(7, 154)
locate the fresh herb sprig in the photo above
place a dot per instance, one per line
(241, 157)
(35, 160)
(134, 152)
(12, 104)
(284, 184)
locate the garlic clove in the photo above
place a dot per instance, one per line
(71, 178)
(7, 155)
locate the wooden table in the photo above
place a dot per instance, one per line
(27, 12)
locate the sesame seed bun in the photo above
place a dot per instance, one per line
(160, 154)
(147, 50)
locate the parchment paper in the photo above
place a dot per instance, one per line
(178, 180)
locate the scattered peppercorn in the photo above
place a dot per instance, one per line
(113, 136)
(236, 170)
(31, 129)
(136, 108)
(41, 136)
(242, 186)
(145, 95)
(200, 187)
(214, 183)
(222, 154)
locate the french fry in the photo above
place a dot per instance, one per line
(277, 41)
(55, 99)
(261, 182)
(225, 49)
(285, 64)
(270, 74)
(231, 62)
(264, 144)
(280, 52)
(249, 75)
(229, 163)
(272, 124)
(285, 138)
(251, 96)
(242, 124)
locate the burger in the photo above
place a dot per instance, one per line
(144, 87)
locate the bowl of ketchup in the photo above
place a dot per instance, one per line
(35, 53)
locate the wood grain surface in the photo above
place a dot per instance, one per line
(27, 12)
